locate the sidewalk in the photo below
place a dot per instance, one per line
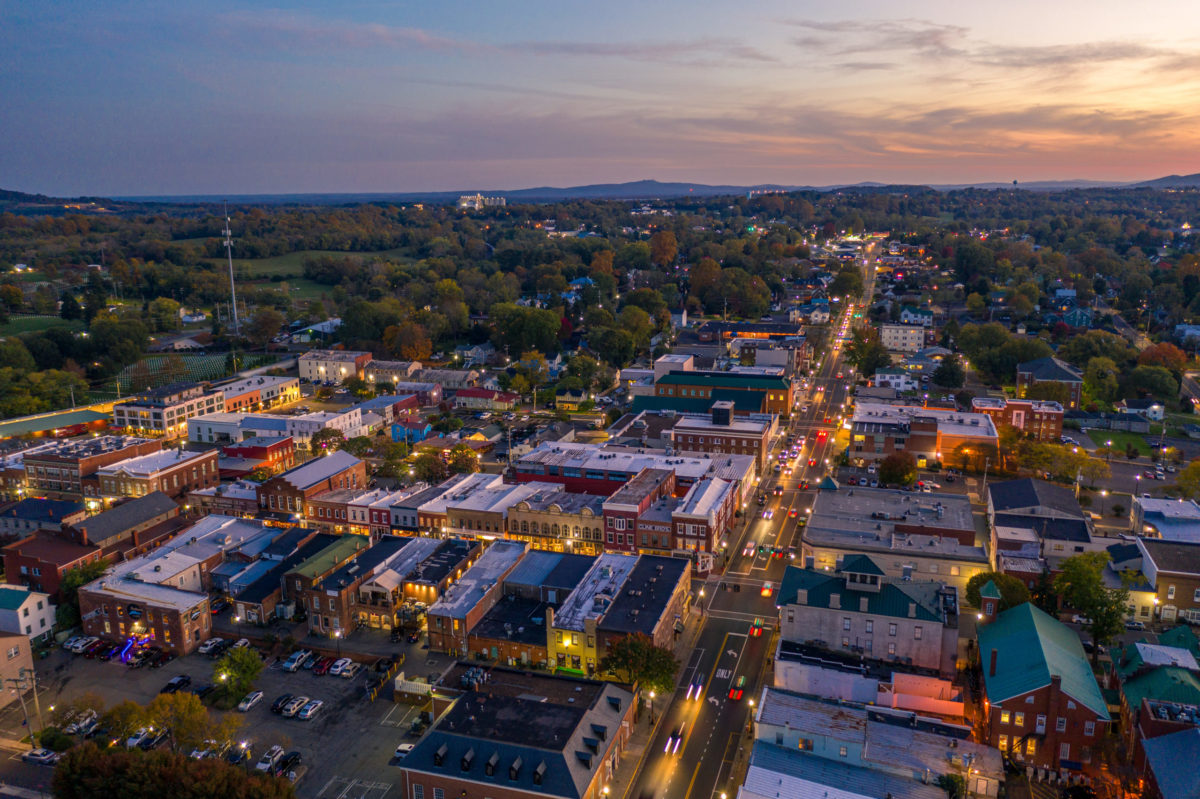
(634, 756)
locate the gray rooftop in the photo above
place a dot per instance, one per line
(491, 567)
(551, 569)
(103, 527)
(776, 773)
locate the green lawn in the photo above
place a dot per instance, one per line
(292, 263)
(1120, 440)
(36, 324)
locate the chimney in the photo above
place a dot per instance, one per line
(801, 596)
(992, 665)
(835, 601)
(912, 610)
(863, 602)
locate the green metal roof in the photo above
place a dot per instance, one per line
(49, 421)
(1182, 637)
(743, 401)
(1166, 684)
(892, 599)
(861, 564)
(1032, 646)
(13, 598)
(989, 591)
(331, 556)
(731, 380)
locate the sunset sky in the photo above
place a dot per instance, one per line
(140, 98)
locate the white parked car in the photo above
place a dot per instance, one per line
(293, 707)
(403, 749)
(208, 645)
(252, 699)
(339, 666)
(269, 760)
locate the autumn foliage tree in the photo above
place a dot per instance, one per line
(1166, 355)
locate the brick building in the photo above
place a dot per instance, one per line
(27, 516)
(127, 525)
(775, 394)
(1039, 419)
(174, 472)
(332, 366)
(1043, 706)
(641, 508)
(930, 434)
(1051, 371)
(277, 453)
(290, 492)
(67, 470)
(555, 520)
(1173, 570)
(721, 434)
(460, 608)
(40, 561)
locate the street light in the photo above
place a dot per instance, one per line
(651, 708)
(338, 635)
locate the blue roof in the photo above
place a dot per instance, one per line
(1167, 756)
(13, 598)
(39, 509)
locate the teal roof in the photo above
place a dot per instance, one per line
(860, 564)
(828, 484)
(727, 380)
(743, 402)
(49, 421)
(1032, 646)
(1182, 637)
(989, 591)
(13, 598)
(892, 599)
(1165, 684)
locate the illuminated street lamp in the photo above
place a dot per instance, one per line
(337, 634)
(651, 708)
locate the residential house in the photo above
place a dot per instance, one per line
(1173, 569)
(26, 612)
(1051, 371)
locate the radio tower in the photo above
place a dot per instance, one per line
(232, 289)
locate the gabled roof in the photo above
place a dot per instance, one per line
(1032, 646)
(1181, 637)
(1165, 684)
(12, 597)
(861, 564)
(1028, 493)
(318, 469)
(1051, 369)
(121, 518)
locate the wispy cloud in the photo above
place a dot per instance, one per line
(695, 51)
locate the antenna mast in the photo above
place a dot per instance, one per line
(232, 289)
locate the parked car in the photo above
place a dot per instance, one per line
(250, 700)
(139, 735)
(403, 749)
(1077, 619)
(156, 739)
(269, 760)
(293, 707)
(296, 660)
(310, 709)
(83, 718)
(238, 754)
(279, 704)
(208, 645)
(350, 671)
(322, 666)
(176, 684)
(1135, 625)
(339, 666)
(289, 762)
(94, 648)
(83, 643)
(70, 642)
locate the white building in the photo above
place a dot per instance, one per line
(895, 378)
(26, 612)
(332, 366)
(902, 338)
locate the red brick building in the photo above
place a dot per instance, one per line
(41, 560)
(1041, 420)
(290, 492)
(276, 454)
(641, 509)
(1041, 702)
(1051, 371)
(67, 470)
(174, 472)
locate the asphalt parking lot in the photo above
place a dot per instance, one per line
(348, 747)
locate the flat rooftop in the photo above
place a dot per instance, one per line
(448, 555)
(260, 383)
(560, 457)
(516, 619)
(949, 422)
(84, 448)
(148, 465)
(644, 596)
(602, 582)
(497, 498)
(557, 570)
(347, 356)
(552, 495)
(740, 424)
(639, 486)
(865, 519)
(455, 490)
(465, 594)
(332, 555)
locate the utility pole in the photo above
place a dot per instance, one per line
(232, 289)
(17, 686)
(37, 707)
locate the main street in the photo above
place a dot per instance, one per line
(701, 732)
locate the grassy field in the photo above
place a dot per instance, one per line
(35, 324)
(1120, 440)
(292, 263)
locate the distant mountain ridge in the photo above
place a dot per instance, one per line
(18, 202)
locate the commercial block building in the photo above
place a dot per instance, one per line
(165, 411)
(67, 470)
(860, 610)
(174, 472)
(332, 366)
(465, 603)
(289, 493)
(557, 521)
(772, 394)
(520, 735)
(721, 434)
(40, 561)
(274, 453)
(930, 434)
(259, 393)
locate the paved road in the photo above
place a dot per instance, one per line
(711, 722)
